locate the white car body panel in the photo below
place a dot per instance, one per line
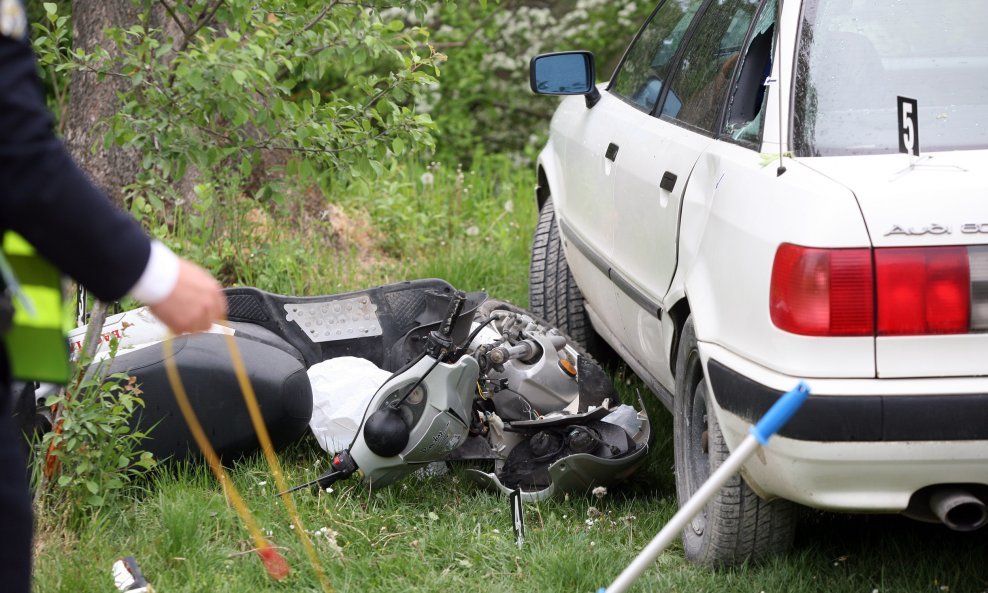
(853, 476)
(850, 478)
(648, 216)
(645, 244)
(585, 193)
(910, 202)
(938, 199)
(722, 211)
(584, 200)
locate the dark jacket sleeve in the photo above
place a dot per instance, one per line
(46, 198)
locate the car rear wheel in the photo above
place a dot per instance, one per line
(552, 292)
(736, 525)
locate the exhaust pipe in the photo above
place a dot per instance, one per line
(959, 509)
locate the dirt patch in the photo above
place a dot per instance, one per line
(354, 232)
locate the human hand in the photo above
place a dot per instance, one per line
(195, 302)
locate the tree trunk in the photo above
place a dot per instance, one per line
(92, 101)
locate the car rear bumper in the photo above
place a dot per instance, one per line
(855, 417)
(856, 445)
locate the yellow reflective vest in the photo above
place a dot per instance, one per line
(36, 342)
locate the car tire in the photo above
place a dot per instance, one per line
(736, 525)
(552, 292)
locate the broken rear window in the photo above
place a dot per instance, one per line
(857, 56)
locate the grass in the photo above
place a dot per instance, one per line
(443, 533)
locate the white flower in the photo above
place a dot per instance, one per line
(509, 206)
(473, 231)
(427, 179)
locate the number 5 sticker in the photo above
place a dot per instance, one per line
(908, 126)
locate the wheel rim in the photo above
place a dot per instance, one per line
(698, 450)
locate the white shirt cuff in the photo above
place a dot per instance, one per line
(159, 277)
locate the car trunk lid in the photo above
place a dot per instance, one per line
(936, 204)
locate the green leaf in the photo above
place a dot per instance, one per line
(240, 76)
(92, 486)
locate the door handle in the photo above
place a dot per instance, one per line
(612, 150)
(668, 181)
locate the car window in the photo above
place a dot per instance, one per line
(746, 105)
(856, 57)
(699, 87)
(646, 64)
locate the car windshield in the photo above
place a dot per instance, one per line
(857, 56)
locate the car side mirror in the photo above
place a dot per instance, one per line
(565, 73)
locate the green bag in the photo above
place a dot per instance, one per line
(36, 342)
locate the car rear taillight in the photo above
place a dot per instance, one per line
(822, 292)
(979, 287)
(903, 291)
(923, 290)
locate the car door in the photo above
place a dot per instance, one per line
(657, 154)
(583, 198)
(585, 206)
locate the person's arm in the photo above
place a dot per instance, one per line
(181, 294)
(47, 199)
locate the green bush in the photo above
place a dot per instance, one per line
(483, 103)
(95, 451)
(261, 99)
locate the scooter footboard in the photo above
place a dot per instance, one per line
(385, 324)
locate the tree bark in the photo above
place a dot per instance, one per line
(92, 101)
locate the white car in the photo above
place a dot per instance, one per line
(744, 206)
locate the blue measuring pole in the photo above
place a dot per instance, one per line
(759, 434)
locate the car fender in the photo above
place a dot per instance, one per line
(730, 230)
(550, 168)
(548, 174)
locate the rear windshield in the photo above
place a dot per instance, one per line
(857, 56)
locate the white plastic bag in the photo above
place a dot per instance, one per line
(342, 389)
